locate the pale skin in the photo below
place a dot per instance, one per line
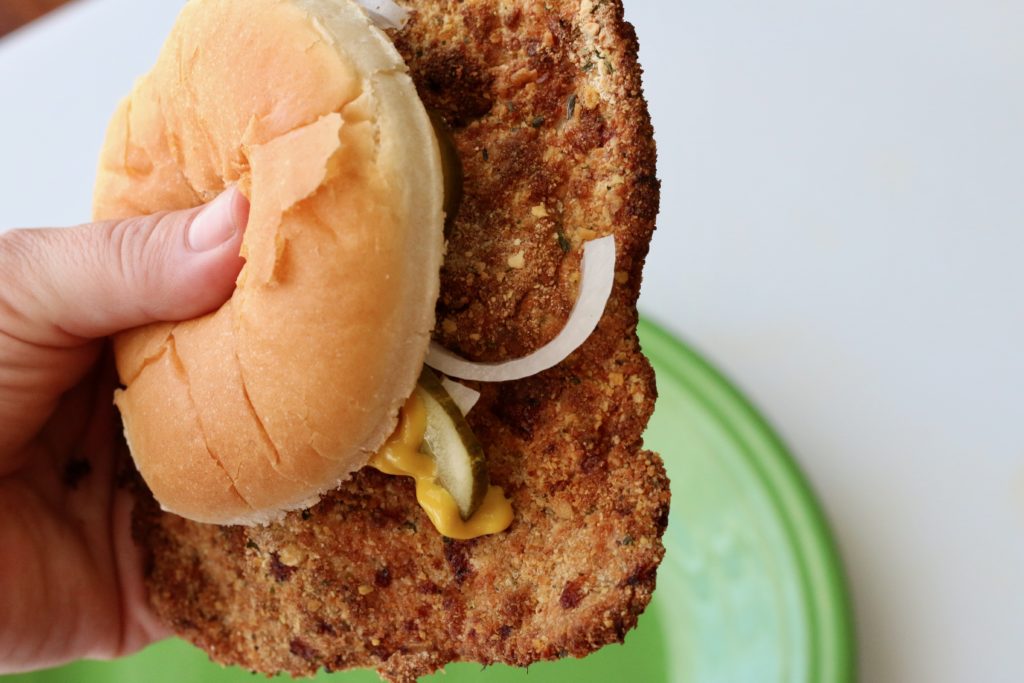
(70, 576)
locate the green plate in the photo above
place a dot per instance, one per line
(750, 590)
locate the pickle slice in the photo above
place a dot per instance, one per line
(459, 457)
(451, 163)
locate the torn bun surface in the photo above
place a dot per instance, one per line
(279, 395)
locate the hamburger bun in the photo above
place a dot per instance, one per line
(278, 396)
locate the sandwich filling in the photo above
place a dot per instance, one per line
(403, 455)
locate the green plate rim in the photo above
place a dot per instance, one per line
(827, 602)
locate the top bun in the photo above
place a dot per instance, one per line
(307, 107)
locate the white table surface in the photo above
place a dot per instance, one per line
(842, 233)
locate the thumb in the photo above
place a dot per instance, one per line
(65, 286)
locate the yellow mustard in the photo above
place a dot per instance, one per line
(400, 455)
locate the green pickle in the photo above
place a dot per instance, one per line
(451, 165)
(449, 440)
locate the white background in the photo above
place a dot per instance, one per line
(842, 233)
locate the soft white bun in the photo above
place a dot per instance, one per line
(278, 396)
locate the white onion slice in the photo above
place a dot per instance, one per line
(464, 397)
(596, 279)
(385, 13)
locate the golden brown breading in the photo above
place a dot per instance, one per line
(545, 104)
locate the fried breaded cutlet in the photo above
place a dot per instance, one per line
(545, 106)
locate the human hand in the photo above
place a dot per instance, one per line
(70, 575)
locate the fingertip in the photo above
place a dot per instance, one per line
(213, 265)
(189, 263)
(218, 222)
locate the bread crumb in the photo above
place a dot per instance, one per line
(562, 509)
(523, 76)
(539, 211)
(365, 590)
(291, 555)
(517, 260)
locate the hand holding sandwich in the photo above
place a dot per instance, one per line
(70, 579)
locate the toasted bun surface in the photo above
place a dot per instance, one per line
(278, 396)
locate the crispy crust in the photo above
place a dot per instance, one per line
(546, 107)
